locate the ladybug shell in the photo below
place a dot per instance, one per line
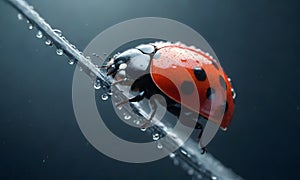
(184, 73)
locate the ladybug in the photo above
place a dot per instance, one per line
(192, 70)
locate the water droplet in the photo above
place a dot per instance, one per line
(172, 155)
(104, 97)
(143, 129)
(48, 42)
(71, 61)
(214, 178)
(175, 162)
(159, 145)
(44, 160)
(233, 93)
(127, 117)
(119, 107)
(155, 136)
(20, 16)
(30, 27)
(39, 34)
(59, 52)
(190, 171)
(137, 122)
(109, 93)
(97, 84)
(58, 32)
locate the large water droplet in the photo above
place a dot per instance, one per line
(58, 32)
(39, 34)
(104, 97)
(20, 16)
(97, 84)
(127, 117)
(155, 136)
(48, 42)
(59, 52)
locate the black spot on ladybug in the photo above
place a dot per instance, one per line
(187, 87)
(222, 82)
(210, 93)
(200, 74)
(215, 64)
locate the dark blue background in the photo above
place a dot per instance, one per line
(256, 41)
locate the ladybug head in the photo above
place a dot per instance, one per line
(128, 64)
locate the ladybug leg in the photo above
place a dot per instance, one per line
(137, 98)
(153, 107)
(125, 82)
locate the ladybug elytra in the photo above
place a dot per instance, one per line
(193, 71)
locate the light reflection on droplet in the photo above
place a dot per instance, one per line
(20, 16)
(97, 84)
(58, 32)
(39, 34)
(59, 52)
(155, 136)
(127, 117)
(104, 97)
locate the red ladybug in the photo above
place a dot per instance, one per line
(147, 67)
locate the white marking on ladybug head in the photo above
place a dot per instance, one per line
(139, 63)
(146, 48)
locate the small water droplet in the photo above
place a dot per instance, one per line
(71, 61)
(155, 136)
(59, 52)
(58, 32)
(190, 171)
(159, 145)
(175, 162)
(119, 107)
(20, 16)
(137, 122)
(39, 34)
(97, 84)
(233, 93)
(104, 97)
(109, 93)
(127, 117)
(48, 42)
(143, 129)
(30, 27)
(172, 155)
(214, 178)
(44, 160)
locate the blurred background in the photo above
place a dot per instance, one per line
(256, 42)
